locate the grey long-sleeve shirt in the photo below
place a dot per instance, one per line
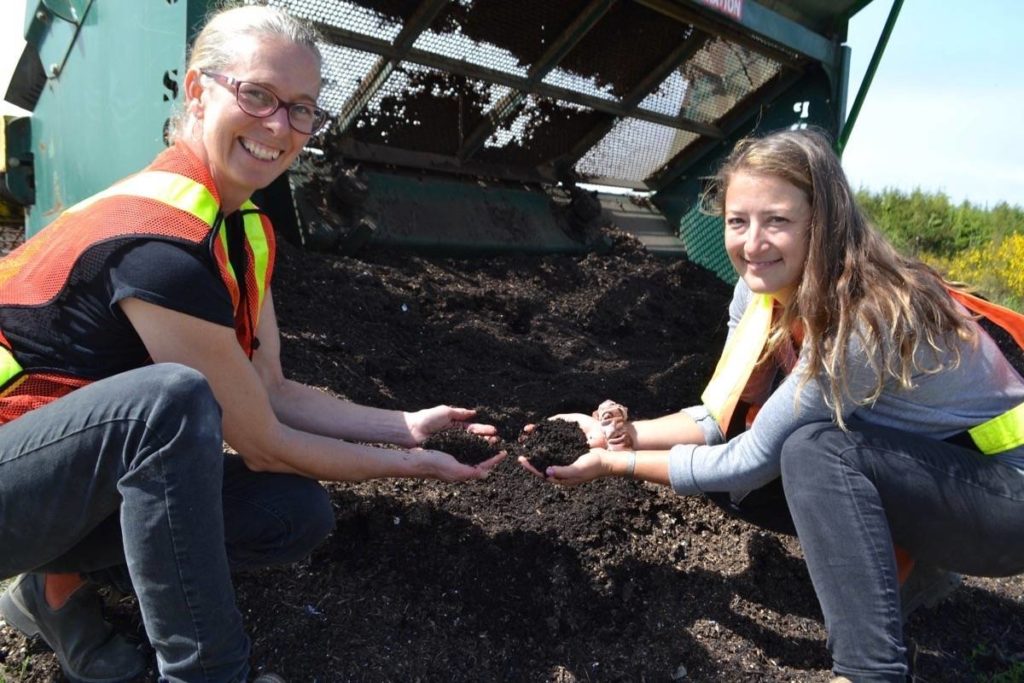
(938, 406)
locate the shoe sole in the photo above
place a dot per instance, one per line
(17, 615)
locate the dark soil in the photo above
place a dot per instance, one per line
(552, 442)
(512, 578)
(465, 447)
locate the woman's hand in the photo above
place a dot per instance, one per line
(444, 467)
(591, 427)
(614, 420)
(424, 423)
(589, 466)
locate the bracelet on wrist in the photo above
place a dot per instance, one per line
(631, 464)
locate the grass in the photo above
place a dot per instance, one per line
(992, 658)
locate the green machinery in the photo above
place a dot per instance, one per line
(457, 124)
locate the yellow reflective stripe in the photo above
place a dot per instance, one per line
(1001, 433)
(222, 236)
(170, 188)
(257, 239)
(9, 367)
(741, 354)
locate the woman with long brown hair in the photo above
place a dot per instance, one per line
(863, 380)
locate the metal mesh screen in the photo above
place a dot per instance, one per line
(425, 110)
(464, 57)
(720, 75)
(543, 129)
(667, 98)
(581, 84)
(504, 34)
(463, 48)
(363, 18)
(702, 236)
(633, 151)
(620, 50)
(343, 69)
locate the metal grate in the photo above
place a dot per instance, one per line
(362, 18)
(463, 48)
(425, 110)
(632, 152)
(344, 70)
(719, 76)
(505, 35)
(528, 85)
(542, 130)
(623, 46)
(702, 236)
(581, 84)
(667, 98)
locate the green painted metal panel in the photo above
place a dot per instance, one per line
(51, 25)
(102, 115)
(455, 215)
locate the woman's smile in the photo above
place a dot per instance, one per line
(260, 151)
(767, 227)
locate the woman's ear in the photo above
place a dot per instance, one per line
(194, 93)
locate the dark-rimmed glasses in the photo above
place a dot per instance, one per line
(256, 100)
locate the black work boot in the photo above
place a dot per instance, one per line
(87, 647)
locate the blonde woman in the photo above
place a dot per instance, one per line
(137, 333)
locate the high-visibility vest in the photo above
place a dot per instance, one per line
(1003, 432)
(739, 357)
(173, 199)
(747, 342)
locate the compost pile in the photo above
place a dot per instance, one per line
(512, 578)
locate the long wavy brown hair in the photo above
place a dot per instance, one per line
(854, 281)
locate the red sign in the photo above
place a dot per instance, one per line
(733, 8)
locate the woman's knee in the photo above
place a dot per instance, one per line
(183, 386)
(183, 402)
(809, 450)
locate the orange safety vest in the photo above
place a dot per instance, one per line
(743, 351)
(173, 199)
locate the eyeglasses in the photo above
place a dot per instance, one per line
(255, 100)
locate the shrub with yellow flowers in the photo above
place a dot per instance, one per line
(995, 271)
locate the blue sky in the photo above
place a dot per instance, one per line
(943, 114)
(946, 106)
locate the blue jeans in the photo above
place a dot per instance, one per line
(853, 494)
(131, 470)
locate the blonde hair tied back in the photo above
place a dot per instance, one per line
(213, 48)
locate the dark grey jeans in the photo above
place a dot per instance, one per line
(852, 495)
(131, 470)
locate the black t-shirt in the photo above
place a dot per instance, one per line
(87, 332)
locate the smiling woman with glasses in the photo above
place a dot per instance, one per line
(112, 463)
(259, 101)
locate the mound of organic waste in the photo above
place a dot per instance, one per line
(512, 578)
